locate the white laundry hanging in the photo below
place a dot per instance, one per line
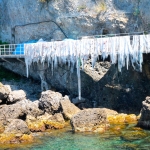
(121, 50)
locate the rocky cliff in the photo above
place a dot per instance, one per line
(23, 20)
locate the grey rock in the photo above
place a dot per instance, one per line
(69, 109)
(74, 18)
(57, 117)
(19, 110)
(50, 101)
(30, 108)
(88, 119)
(15, 96)
(144, 120)
(11, 112)
(58, 36)
(29, 86)
(77, 101)
(4, 92)
(17, 126)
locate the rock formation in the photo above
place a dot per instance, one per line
(144, 120)
(89, 120)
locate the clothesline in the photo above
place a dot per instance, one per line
(120, 48)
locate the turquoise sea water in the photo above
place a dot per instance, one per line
(66, 140)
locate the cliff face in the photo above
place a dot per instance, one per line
(22, 20)
(104, 86)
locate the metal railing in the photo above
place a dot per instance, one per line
(17, 50)
(12, 51)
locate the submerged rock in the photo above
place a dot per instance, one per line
(144, 120)
(122, 118)
(133, 135)
(69, 109)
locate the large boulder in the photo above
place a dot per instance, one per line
(30, 108)
(4, 92)
(144, 120)
(16, 95)
(50, 101)
(17, 126)
(11, 112)
(69, 109)
(19, 110)
(89, 120)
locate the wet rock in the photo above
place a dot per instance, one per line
(131, 118)
(122, 119)
(25, 138)
(8, 138)
(16, 126)
(15, 138)
(116, 129)
(46, 121)
(4, 92)
(69, 109)
(89, 120)
(34, 124)
(144, 120)
(56, 121)
(50, 101)
(50, 124)
(15, 96)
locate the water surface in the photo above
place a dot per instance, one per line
(129, 138)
